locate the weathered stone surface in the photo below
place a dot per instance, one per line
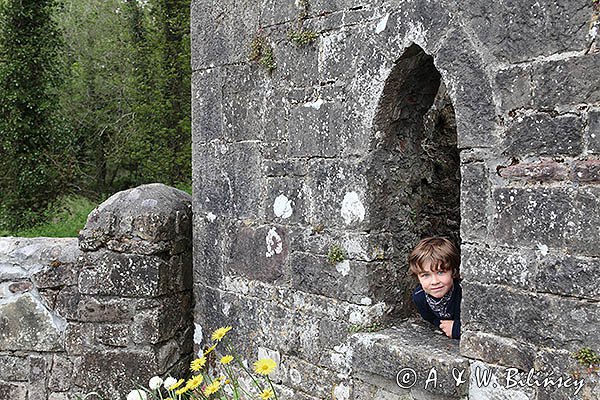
(561, 363)
(114, 373)
(512, 34)
(56, 275)
(143, 220)
(79, 337)
(114, 335)
(387, 352)
(474, 195)
(259, 253)
(566, 81)
(464, 75)
(40, 369)
(232, 183)
(593, 132)
(25, 324)
(207, 109)
(218, 35)
(287, 202)
(587, 171)
(497, 350)
(543, 134)
(532, 216)
(13, 391)
(125, 275)
(569, 276)
(543, 171)
(526, 316)
(583, 230)
(14, 368)
(61, 376)
(514, 87)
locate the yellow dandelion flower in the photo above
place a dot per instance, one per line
(264, 366)
(211, 348)
(226, 359)
(197, 364)
(212, 388)
(220, 333)
(175, 385)
(227, 381)
(221, 378)
(195, 382)
(181, 391)
(266, 394)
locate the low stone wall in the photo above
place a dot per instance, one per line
(102, 313)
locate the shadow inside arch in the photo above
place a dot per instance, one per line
(414, 172)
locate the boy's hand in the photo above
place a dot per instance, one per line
(446, 327)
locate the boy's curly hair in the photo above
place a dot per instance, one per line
(439, 253)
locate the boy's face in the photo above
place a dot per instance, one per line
(435, 283)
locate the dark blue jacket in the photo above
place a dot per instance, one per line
(453, 307)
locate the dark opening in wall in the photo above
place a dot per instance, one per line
(414, 173)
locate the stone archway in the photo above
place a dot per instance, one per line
(414, 173)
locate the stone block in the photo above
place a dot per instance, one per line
(26, 325)
(115, 373)
(244, 105)
(143, 220)
(339, 192)
(583, 227)
(259, 253)
(127, 275)
(593, 132)
(529, 216)
(474, 195)
(221, 32)
(286, 202)
(566, 82)
(207, 107)
(61, 376)
(514, 87)
(314, 274)
(514, 268)
(586, 172)
(274, 12)
(305, 377)
(527, 316)
(512, 35)
(568, 276)
(79, 337)
(40, 369)
(56, 275)
(413, 350)
(543, 134)
(465, 77)
(232, 182)
(113, 335)
(13, 391)
(296, 65)
(99, 309)
(497, 350)
(561, 364)
(13, 368)
(210, 246)
(543, 171)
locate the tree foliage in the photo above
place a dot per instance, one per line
(32, 140)
(95, 99)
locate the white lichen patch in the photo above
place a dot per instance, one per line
(543, 249)
(198, 336)
(274, 243)
(282, 207)
(210, 217)
(343, 267)
(295, 376)
(314, 104)
(382, 24)
(366, 301)
(341, 392)
(149, 203)
(352, 208)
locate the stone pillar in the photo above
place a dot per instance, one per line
(103, 316)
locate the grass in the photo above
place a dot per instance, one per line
(65, 219)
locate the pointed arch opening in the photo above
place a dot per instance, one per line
(414, 173)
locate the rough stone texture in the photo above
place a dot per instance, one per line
(115, 309)
(476, 120)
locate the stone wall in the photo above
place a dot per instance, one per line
(333, 148)
(102, 313)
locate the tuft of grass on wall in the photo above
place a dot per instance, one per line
(65, 218)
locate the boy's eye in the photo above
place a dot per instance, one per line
(424, 275)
